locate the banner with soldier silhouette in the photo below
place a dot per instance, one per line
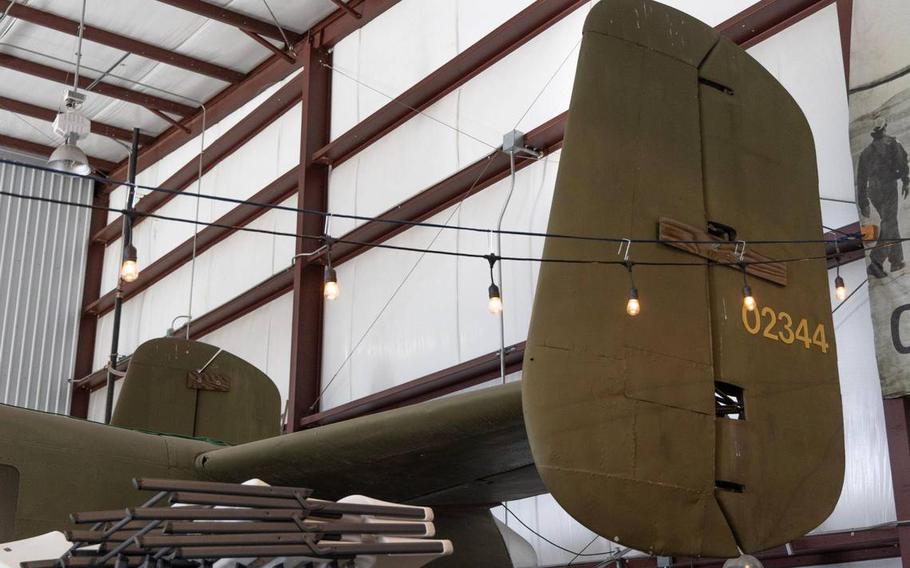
(879, 138)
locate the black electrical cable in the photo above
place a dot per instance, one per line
(156, 216)
(366, 244)
(548, 541)
(400, 222)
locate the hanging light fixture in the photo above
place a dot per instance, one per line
(71, 124)
(129, 268)
(330, 288)
(494, 304)
(749, 302)
(744, 561)
(633, 305)
(748, 299)
(840, 288)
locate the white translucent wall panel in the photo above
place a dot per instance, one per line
(868, 497)
(222, 272)
(416, 37)
(525, 89)
(836, 215)
(262, 337)
(42, 265)
(267, 156)
(544, 516)
(423, 151)
(98, 399)
(807, 59)
(883, 563)
(439, 315)
(160, 171)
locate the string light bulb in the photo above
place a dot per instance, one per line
(748, 299)
(129, 268)
(840, 289)
(633, 306)
(330, 288)
(495, 302)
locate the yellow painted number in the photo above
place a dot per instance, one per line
(779, 326)
(747, 315)
(787, 335)
(802, 333)
(772, 315)
(818, 338)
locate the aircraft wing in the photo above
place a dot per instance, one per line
(466, 449)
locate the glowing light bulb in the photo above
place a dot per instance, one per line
(748, 299)
(633, 306)
(129, 269)
(495, 303)
(330, 289)
(744, 561)
(840, 289)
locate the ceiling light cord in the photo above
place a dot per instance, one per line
(79, 47)
(287, 44)
(189, 303)
(502, 320)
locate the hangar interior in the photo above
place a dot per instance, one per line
(372, 110)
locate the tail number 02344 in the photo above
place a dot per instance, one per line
(780, 326)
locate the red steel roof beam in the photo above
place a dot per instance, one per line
(237, 136)
(274, 193)
(48, 115)
(107, 89)
(329, 31)
(117, 41)
(232, 18)
(502, 41)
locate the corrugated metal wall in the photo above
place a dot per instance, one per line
(42, 262)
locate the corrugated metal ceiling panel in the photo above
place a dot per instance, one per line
(153, 22)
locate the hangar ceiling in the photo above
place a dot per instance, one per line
(146, 63)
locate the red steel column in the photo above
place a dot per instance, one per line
(306, 330)
(85, 343)
(897, 421)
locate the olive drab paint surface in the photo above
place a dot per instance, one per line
(65, 465)
(669, 120)
(194, 389)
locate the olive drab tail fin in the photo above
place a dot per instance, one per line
(674, 133)
(188, 388)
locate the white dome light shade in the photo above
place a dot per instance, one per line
(70, 158)
(744, 561)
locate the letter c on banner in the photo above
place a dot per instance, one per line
(896, 331)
